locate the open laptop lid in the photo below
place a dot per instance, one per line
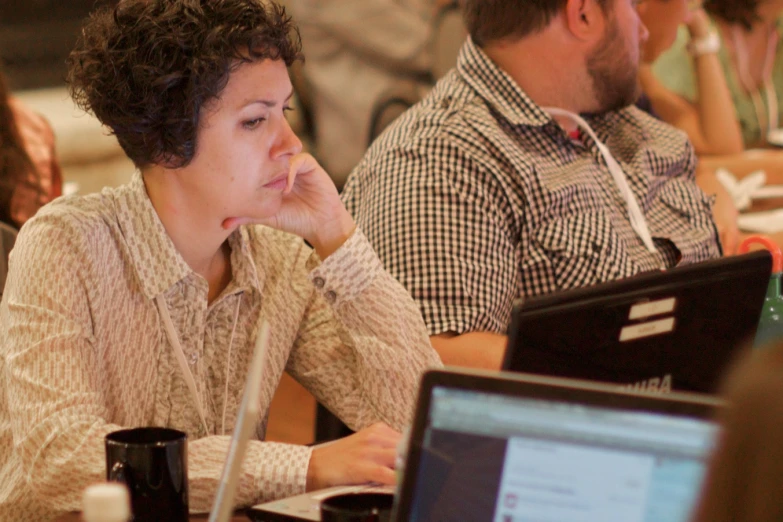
(509, 447)
(660, 330)
(247, 419)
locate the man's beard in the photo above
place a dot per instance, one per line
(613, 74)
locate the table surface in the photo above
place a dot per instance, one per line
(77, 517)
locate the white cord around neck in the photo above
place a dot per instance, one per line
(179, 353)
(228, 363)
(768, 122)
(635, 214)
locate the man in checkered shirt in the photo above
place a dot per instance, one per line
(477, 196)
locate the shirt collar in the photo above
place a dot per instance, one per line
(505, 96)
(245, 275)
(497, 88)
(157, 261)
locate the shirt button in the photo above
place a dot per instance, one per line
(193, 358)
(319, 282)
(330, 296)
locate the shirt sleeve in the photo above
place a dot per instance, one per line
(442, 226)
(382, 30)
(270, 470)
(52, 379)
(56, 383)
(362, 346)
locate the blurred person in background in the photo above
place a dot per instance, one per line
(709, 122)
(709, 118)
(357, 51)
(745, 36)
(745, 473)
(30, 173)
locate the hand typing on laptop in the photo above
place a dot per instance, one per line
(366, 456)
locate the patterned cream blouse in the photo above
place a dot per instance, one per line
(84, 351)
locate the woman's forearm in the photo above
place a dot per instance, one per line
(768, 160)
(715, 107)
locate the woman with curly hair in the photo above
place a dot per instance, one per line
(140, 305)
(746, 37)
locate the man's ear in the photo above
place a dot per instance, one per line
(585, 19)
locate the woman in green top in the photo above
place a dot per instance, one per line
(696, 86)
(710, 124)
(748, 45)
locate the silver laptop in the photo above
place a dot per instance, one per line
(518, 447)
(488, 446)
(247, 419)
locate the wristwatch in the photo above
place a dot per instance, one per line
(709, 44)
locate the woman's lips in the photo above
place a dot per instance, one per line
(278, 183)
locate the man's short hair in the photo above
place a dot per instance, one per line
(146, 68)
(492, 20)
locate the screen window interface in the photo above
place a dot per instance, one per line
(506, 459)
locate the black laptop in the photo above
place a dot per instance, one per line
(658, 331)
(505, 447)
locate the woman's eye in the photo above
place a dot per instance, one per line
(252, 124)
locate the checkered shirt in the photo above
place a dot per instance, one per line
(476, 197)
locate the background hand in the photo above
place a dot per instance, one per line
(366, 456)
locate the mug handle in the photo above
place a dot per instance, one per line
(117, 473)
(769, 244)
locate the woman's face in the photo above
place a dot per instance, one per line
(244, 145)
(662, 18)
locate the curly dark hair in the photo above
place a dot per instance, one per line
(741, 12)
(146, 68)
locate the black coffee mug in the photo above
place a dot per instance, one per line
(357, 507)
(152, 462)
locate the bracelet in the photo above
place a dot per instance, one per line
(709, 44)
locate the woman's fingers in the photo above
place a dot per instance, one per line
(366, 456)
(299, 164)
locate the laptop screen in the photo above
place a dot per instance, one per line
(488, 456)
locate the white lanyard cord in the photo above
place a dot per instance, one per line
(638, 221)
(179, 353)
(743, 71)
(228, 363)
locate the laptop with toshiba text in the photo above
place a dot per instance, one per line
(658, 331)
(507, 447)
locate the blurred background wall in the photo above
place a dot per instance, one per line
(35, 37)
